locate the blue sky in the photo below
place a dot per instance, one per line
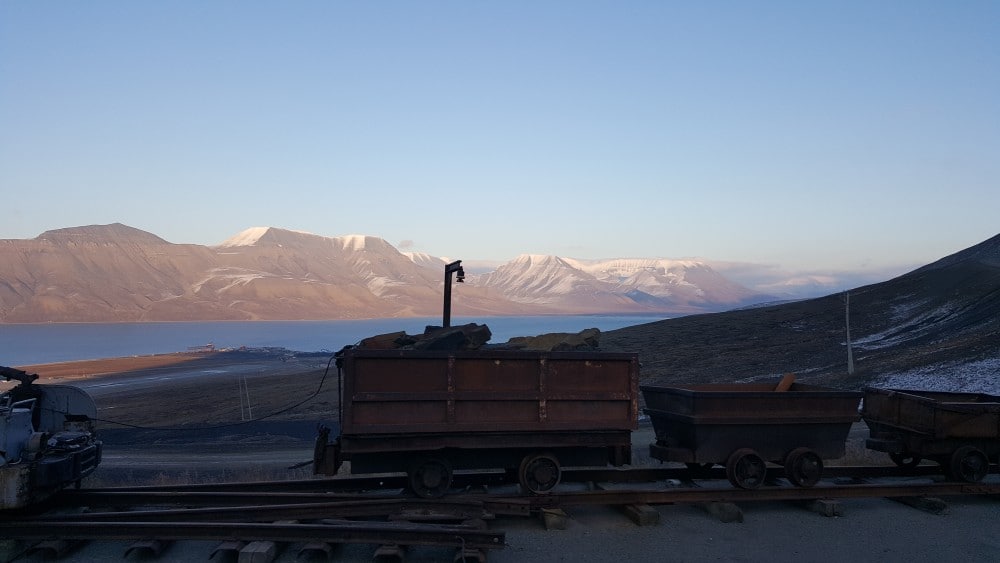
(804, 136)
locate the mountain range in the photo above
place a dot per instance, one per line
(937, 327)
(117, 273)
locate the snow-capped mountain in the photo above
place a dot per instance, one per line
(632, 285)
(119, 273)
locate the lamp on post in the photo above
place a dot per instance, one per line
(449, 269)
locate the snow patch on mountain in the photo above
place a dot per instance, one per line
(353, 243)
(907, 328)
(969, 377)
(535, 278)
(624, 268)
(230, 278)
(248, 237)
(426, 260)
(381, 285)
(253, 236)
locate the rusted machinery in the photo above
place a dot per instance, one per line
(430, 413)
(960, 431)
(47, 439)
(743, 426)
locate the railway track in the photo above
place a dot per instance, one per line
(325, 512)
(354, 483)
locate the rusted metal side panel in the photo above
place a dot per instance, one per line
(934, 415)
(735, 404)
(706, 423)
(483, 441)
(409, 392)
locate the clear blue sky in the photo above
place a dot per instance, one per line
(804, 135)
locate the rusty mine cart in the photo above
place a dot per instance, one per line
(960, 431)
(430, 413)
(743, 426)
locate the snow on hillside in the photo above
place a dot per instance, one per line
(908, 328)
(230, 276)
(381, 285)
(972, 377)
(426, 260)
(252, 236)
(249, 237)
(619, 269)
(537, 277)
(352, 242)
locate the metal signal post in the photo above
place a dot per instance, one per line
(454, 267)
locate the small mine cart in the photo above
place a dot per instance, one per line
(429, 413)
(743, 426)
(960, 431)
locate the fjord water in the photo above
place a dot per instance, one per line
(26, 344)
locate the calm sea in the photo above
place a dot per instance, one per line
(24, 344)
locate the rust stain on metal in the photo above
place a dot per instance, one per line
(451, 390)
(543, 368)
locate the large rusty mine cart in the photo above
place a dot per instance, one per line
(743, 426)
(960, 431)
(430, 413)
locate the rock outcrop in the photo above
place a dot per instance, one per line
(466, 337)
(588, 339)
(473, 336)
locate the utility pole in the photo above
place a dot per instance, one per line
(847, 322)
(454, 267)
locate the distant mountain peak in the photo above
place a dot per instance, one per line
(265, 236)
(537, 260)
(354, 242)
(114, 233)
(426, 260)
(248, 237)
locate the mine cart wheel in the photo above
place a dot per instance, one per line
(539, 473)
(968, 464)
(803, 467)
(906, 459)
(430, 477)
(745, 469)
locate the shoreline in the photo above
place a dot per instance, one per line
(150, 363)
(109, 366)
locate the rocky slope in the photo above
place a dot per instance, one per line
(937, 327)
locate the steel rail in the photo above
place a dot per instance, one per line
(439, 509)
(339, 532)
(650, 474)
(125, 498)
(728, 494)
(632, 474)
(310, 506)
